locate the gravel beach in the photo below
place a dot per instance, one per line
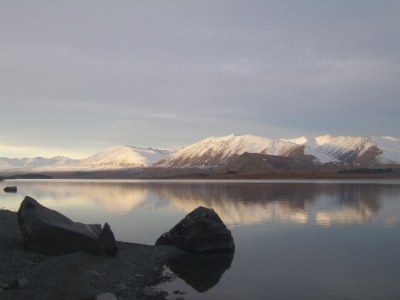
(29, 275)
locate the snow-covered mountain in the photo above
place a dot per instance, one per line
(219, 151)
(123, 157)
(213, 151)
(117, 157)
(362, 150)
(35, 162)
(352, 149)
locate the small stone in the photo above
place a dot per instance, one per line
(22, 281)
(92, 273)
(120, 287)
(176, 292)
(10, 189)
(150, 292)
(106, 296)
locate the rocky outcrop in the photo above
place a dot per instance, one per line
(49, 232)
(202, 230)
(10, 189)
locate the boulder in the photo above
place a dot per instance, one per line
(10, 189)
(49, 232)
(202, 230)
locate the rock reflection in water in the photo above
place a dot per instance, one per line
(201, 271)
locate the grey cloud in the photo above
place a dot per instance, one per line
(169, 72)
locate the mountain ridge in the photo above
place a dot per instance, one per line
(217, 152)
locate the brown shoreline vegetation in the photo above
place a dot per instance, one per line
(30, 275)
(326, 172)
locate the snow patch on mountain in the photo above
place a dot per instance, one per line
(390, 147)
(352, 149)
(299, 141)
(327, 148)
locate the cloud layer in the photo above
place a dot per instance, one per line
(168, 73)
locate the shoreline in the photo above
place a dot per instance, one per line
(282, 176)
(77, 275)
(388, 171)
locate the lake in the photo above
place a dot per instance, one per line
(295, 239)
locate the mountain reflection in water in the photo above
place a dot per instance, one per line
(237, 203)
(255, 203)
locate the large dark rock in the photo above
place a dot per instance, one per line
(49, 232)
(200, 231)
(10, 189)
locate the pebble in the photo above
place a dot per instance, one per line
(106, 296)
(150, 292)
(120, 287)
(176, 292)
(22, 281)
(153, 293)
(92, 273)
(19, 282)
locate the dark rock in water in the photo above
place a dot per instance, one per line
(49, 232)
(201, 271)
(200, 231)
(10, 189)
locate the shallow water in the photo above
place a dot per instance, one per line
(320, 239)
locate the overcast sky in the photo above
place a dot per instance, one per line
(79, 76)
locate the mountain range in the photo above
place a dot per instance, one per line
(248, 151)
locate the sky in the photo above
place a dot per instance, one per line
(77, 77)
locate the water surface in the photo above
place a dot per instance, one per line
(320, 239)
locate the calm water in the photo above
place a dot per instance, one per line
(294, 239)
